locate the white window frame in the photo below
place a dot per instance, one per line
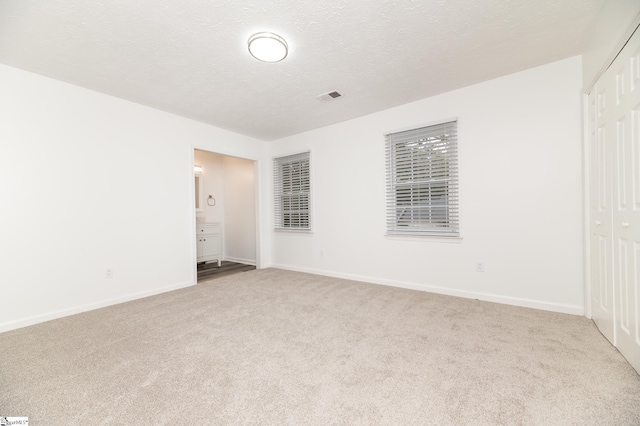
(422, 191)
(292, 194)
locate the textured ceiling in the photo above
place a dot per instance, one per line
(189, 57)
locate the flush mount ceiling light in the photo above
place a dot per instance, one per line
(268, 47)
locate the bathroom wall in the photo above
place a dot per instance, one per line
(212, 184)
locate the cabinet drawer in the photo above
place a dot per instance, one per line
(207, 229)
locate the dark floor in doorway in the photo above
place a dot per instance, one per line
(209, 271)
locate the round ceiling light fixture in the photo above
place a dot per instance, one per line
(268, 47)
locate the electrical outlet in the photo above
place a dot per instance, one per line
(479, 267)
(108, 273)
(321, 253)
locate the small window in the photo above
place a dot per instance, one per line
(422, 181)
(292, 192)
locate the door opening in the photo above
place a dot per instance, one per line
(226, 211)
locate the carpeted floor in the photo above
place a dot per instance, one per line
(277, 347)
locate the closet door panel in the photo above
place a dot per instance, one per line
(602, 297)
(622, 79)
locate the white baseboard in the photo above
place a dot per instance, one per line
(24, 322)
(506, 300)
(527, 303)
(240, 260)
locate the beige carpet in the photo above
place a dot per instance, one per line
(277, 347)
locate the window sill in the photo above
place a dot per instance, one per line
(294, 231)
(425, 238)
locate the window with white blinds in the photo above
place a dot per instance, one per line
(422, 181)
(292, 192)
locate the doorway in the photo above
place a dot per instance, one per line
(226, 202)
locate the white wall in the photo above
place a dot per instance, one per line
(611, 25)
(239, 210)
(212, 182)
(89, 181)
(520, 195)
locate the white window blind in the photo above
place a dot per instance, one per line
(292, 192)
(422, 181)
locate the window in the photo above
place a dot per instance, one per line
(292, 192)
(422, 180)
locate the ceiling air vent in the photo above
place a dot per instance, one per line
(325, 97)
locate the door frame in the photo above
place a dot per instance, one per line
(586, 207)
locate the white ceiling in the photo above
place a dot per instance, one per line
(189, 57)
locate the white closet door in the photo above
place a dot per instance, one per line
(601, 241)
(622, 80)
